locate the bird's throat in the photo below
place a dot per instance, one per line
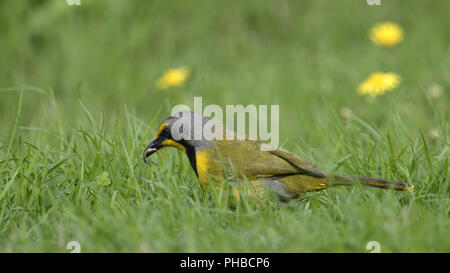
(190, 152)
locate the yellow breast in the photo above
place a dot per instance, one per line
(202, 161)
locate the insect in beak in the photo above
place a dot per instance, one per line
(147, 153)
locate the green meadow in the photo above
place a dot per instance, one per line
(79, 103)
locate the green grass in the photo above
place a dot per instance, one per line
(78, 104)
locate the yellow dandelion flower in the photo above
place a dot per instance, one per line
(378, 83)
(386, 34)
(173, 77)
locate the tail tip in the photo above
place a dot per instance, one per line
(409, 187)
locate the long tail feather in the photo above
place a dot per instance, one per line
(370, 181)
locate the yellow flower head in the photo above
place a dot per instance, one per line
(386, 34)
(378, 83)
(173, 77)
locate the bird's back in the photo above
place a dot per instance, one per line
(245, 158)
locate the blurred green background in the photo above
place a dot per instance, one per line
(306, 56)
(298, 54)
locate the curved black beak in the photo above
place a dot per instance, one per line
(152, 148)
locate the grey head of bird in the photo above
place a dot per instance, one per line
(186, 130)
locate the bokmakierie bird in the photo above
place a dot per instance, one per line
(215, 159)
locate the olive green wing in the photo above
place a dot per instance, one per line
(303, 166)
(250, 159)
